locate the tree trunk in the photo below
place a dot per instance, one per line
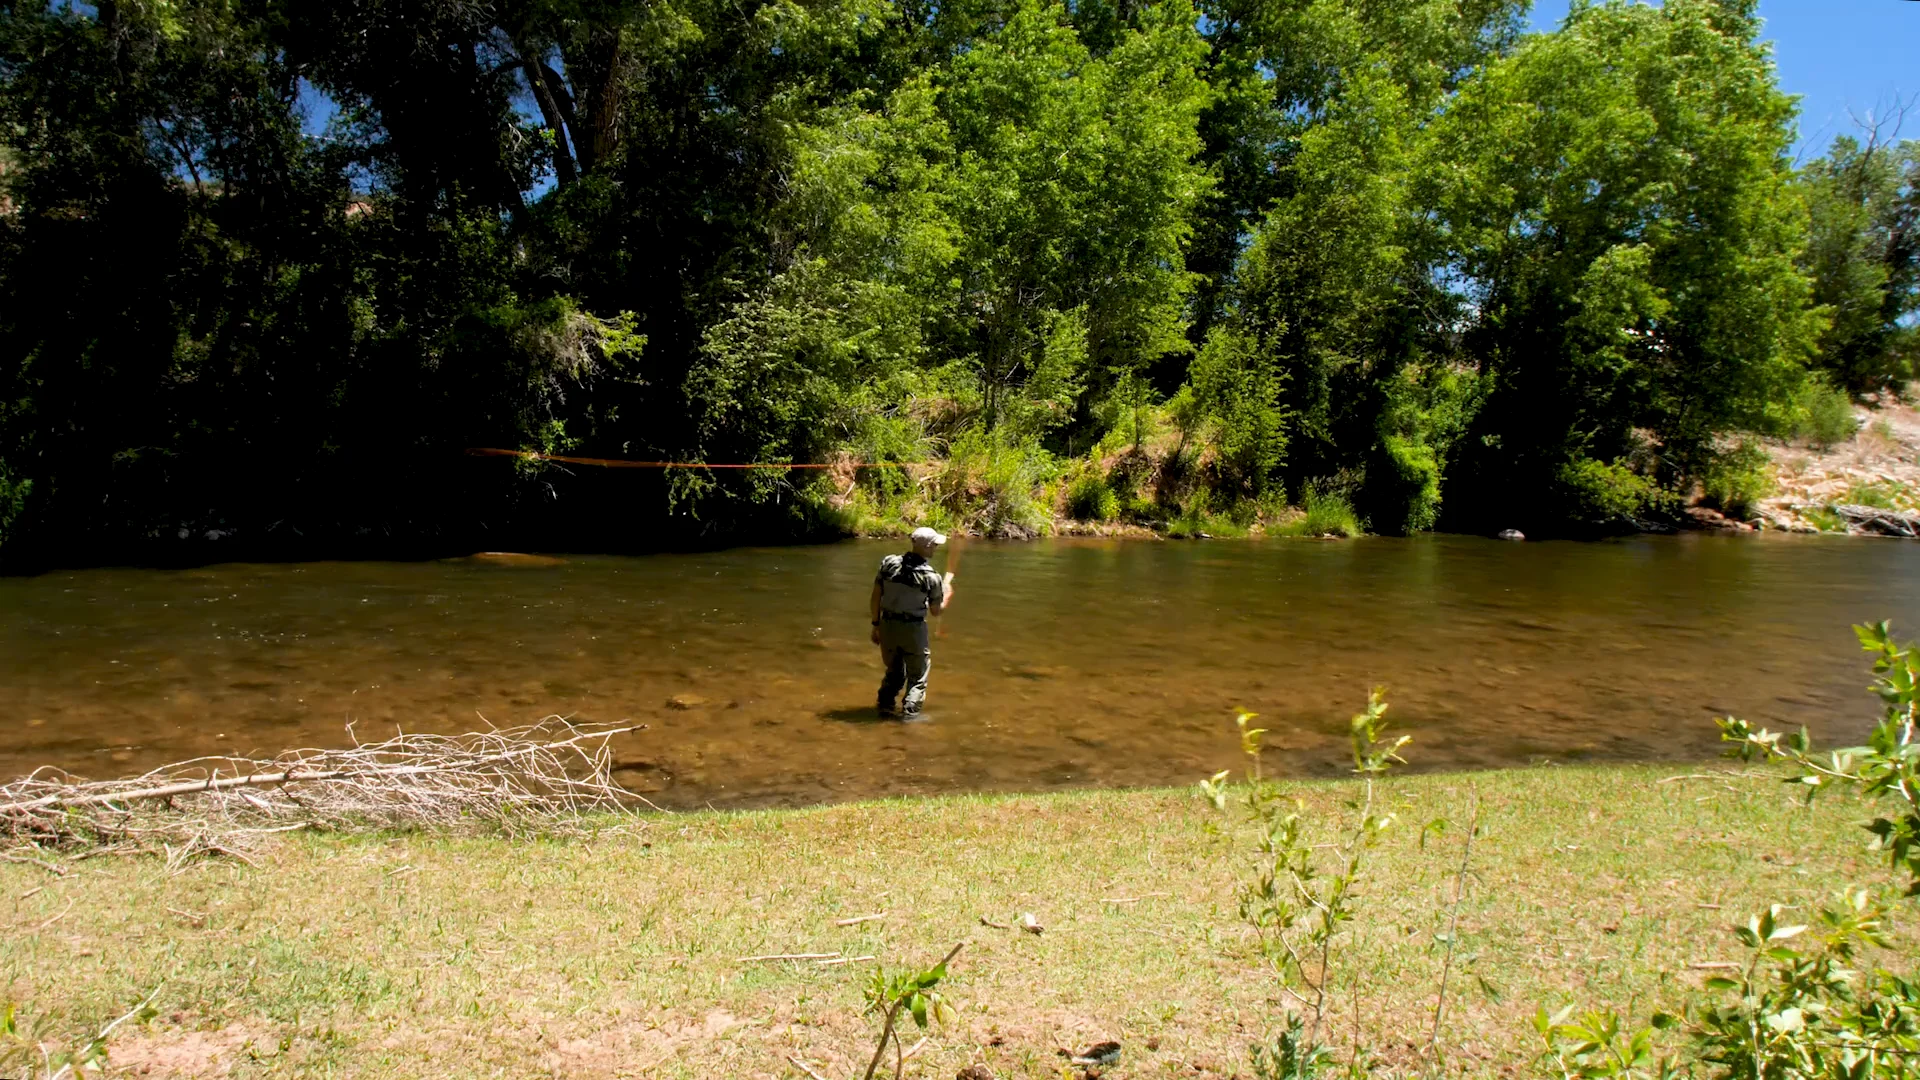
(559, 122)
(600, 75)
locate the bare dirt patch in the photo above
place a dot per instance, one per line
(183, 1052)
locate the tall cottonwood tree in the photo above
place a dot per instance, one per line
(1619, 209)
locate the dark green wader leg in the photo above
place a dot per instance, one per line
(906, 649)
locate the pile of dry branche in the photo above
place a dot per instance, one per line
(540, 778)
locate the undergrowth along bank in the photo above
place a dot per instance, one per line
(1159, 473)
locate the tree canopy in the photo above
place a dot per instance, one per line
(268, 268)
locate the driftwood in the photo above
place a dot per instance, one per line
(534, 778)
(1880, 522)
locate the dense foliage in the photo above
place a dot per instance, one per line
(269, 267)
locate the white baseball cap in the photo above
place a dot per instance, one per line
(924, 535)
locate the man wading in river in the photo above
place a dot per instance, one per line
(905, 592)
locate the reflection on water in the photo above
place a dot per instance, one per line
(1063, 663)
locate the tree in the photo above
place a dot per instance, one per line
(1620, 216)
(1863, 254)
(1072, 185)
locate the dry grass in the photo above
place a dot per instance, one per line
(618, 955)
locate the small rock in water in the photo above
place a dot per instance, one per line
(684, 702)
(1512, 534)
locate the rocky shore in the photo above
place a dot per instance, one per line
(1868, 485)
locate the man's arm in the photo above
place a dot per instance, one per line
(937, 605)
(873, 612)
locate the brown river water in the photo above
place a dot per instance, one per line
(1063, 663)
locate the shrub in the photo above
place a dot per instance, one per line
(1090, 499)
(1237, 384)
(1800, 1006)
(1326, 511)
(1302, 893)
(990, 484)
(1416, 483)
(1738, 479)
(1196, 519)
(1824, 519)
(1600, 493)
(1886, 496)
(1824, 416)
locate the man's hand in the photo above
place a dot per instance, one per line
(875, 636)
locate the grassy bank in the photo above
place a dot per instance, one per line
(409, 955)
(1161, 479)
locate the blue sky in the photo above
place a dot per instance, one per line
(1836, 54)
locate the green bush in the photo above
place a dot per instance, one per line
(1239, 385)
(1883, 496)
(1197, 520)
(1090, 499)
(1738, 479)
(991, 482)
(1824, 416)
(1415, 489)
(1599, 492)
(1326, 512)
(1824, 519)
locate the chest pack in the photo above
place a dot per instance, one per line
(906, 588)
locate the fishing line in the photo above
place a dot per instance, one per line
(622, 463)
(953, 564)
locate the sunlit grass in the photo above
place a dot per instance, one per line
(419, 956)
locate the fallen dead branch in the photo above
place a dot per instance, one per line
(56, 918)
(52, 868)
(542, 777)
(805, 1068)
(839, 960)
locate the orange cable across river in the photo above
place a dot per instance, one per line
(621, 463)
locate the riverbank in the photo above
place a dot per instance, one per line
(1878, 468)
(620, 955)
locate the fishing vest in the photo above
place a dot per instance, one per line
(908, 584)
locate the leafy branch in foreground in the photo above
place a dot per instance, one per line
(1888, 766)
(1799, 1007)
(912, 992)
(1297, 904)
(1598, 1047)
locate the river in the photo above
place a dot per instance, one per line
(1063, 663)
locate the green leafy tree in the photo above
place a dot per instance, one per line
(1863, 253)
(1071, 189)
(1617, 205)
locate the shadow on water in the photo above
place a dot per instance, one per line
(1063, 663)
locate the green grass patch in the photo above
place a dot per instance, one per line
(1883, 494)
(1824, 519)
(418, 956)
(1322, 514)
